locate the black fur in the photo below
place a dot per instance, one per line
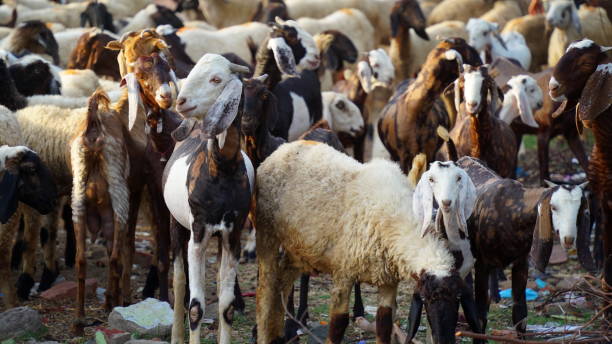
(34, 78)
(165, 16)
(96, 15)
(48, 277)
(25, 282)
(152, 283)
(9, 95)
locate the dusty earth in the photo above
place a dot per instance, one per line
(58, 314)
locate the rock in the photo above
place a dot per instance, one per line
(558, 255)
(68, 289)
(320, 332)
(18, 321)
(150, 317)
(112, 336)
(568, 282)
(144, 341)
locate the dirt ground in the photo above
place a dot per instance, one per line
(58, 315)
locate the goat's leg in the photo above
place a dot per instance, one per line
(519, 302)
(302, 313)
(196, 261)
(481, 285)
(25, 282)
(414, 318)
(575, 144)
(130, 244)
(227, 283)
(470, 312)
(269, 313)
(543, 143)
(48, 241)
(385, 314)
(70, 250)
(358, 310)
(7, 234)
(179, 285)
(339, 310)
(115, 267)
(494, 286)
(291, 326)
(288, 274)
(81, 273)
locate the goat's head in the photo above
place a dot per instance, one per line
(583, 74)
(259, 106)
(140, 43)
(157, 80)
(343, 115)
(290, 43)
(445, 62)
(481, 33)
(408, 14)
(96, 15)
(563, 14)
(335, 48)
(526, 94)
(375, 69)
(453, 191)
(24, 178)
(90, 53)
(33, 75)
(165, 16)
(35, 37)
(563, 209)
(473, 85)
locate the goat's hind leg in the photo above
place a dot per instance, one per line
(519, 304)
(179, 241)
(48, 241)
(385, 314)
(25, 281)
(196, 261)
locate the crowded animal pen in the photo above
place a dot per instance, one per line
(305, 171)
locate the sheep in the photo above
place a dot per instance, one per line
(351, 22)
(34, 75)
(34, 37)
(377, 12)
(502, 12)
(90, 53)
(596, 25)
(531, 27)
(96, 15)
(335, 49)
(221, 166)
(353, 249)
(409, 121)
(10, 96)
(499, 238)
(152, 16)
(484, 37)
(223, 14)
(267, 12)
(78, 83)
(461, 10)
(25, 179)
(68, 15)
(68, 41)
(582, 76)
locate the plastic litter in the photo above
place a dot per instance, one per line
(371, 310)
(541, 284)
(530, 294)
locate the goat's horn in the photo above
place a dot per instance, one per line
(262, 78)
(279, 20)
(605, 49)
(236, 68)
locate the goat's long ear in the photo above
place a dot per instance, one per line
(84, 19)
(493, 92)
(8, 197)
(542, 244)
(595, 96)
(223, 112)
(467, 200)
(583, 237)
(114, 45)
(458, 95)
(283, 55)
(395, 20)
(524, 107)
(422, 202)
(133, 90)
(364, 73)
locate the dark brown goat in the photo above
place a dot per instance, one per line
(583, 76)
(90, 53)
(96, 15)
(409, 121)
(405, 15)
(32, 37)
(479, 133)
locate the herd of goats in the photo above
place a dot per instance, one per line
(375, 141)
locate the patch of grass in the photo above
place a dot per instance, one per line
(530, 141)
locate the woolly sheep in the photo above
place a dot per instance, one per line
(461, 10)
(484, 34)
(531, 27)
(222, 14)
(79, 82)
(502, 12)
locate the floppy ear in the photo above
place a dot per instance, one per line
(395, 21)
(493, 92)
(184, 129)
(84, 19)
(133, 97)
(458, 95)
(223, 112)
(8, 197)
(583, 237)
(595, 96)
(364, 73)
(283, 55)
(542, 244)
(422, 202)
(467, 201)
(524, 107)
(333, 61)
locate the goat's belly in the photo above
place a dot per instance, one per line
(300, 122)
(176, 194)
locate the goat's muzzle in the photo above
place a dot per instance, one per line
(446, 205)
(568, 242)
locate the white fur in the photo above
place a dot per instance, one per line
(176, 194)
(79, 82)
(164, 30)
(10, 131)
(378, 70)
(10, 152)
(58, 100)
(342, 114)
(483, 33)
(31, 58)
(585, 43)
(141, 20)
(472, 88)
(68, 15)
(67, 41)
(311, 58)
(553, 83)
(250, 170)
(523, 89)
(301, 117)
(565, 205)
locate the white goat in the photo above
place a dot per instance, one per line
(484, 36)
(342, 114)
(376, 70)
(522, 99)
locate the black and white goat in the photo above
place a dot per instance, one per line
(208, 183)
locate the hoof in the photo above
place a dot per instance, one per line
(238, 304)
(152, 283)
(291, 328)
(47, 279)
(25, 282)
(195, 314)
(228, 315)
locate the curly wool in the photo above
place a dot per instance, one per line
(10, 132)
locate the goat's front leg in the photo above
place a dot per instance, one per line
(519, 302)
(196, 261)
(339, 310)
(7, 234)
(48, 241)
(81, 273)
(70, 250)
(385, 314)
(358, 310)
(414, 318)
(543, 143)
(576, 146)
(115, 266)
(179, 244)
(227, 283)
(481, 285)
(25, 282)
(269, 299)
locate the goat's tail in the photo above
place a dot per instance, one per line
(93, 128)
(419, 166)
(450, 144)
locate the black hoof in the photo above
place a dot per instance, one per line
(47, 279)
(291, 328)
(25, 282)
(239, 304)
(152, 283)
(17, 253)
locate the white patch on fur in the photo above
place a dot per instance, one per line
(165, 30)
(342, 114)
(553, 83)
(301, 117)
(196, 263)
(585, 43)
(382, 67)
(280, 48)
(163, 90)
(8, 152)
(31, 58)
(176, 194)
(472, 90)
(566, 205)
(311, 59)
(250, 170)
(556, 18)
(606, 68)
(483, 33)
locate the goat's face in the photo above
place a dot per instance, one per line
(345, 117)
(408, 14)
(156, 79)
(256, 105)
(98, 16)
(527, 95)
(287, 38)
(23, 177)
(574, 69)
(565, 204)
(335, 48)
(34, 36)
(474, 88)
(376, 70)
(440, 296)
(480, 32)
(445, 62)
(562, 14)
(446, 181)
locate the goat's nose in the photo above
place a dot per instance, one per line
(181, 101)
(165, 95)
(446, 203)
(472, 104)
(569, 241)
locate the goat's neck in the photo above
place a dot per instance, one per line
(163, 142)
(480, 131)
(422, 93)
(267, 65)
(225, 158)
(400, 52)
(357, 94)
(256, 146)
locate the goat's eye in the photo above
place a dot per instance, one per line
(215, 80)
(458, 178)
(553, 208)
(375, 75)
(340, 105)
(431, 180)
(264, 96)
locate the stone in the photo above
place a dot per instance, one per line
(568, 282)
(558, 255)
(19, 321)
(144, 341)
(112, 336)
(68, 289)
(320, 332)
(150, 317)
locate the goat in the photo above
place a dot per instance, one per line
(351, 250)
(499, 238)
(485, 38)
(32, 37)
(208, 183)
(90, 54)
(335, 49)
(152, 16)
(9, 95)
(409, 121)
(267, 12)
(96, 15)
(581, 78)
(23, 178)
(183, 62)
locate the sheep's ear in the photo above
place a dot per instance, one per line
(595, 96)
(524, 107)
(283, 55)
(422, 202)
(8, 197)
(114, 45)
(223, 112)
(583, 222)
(541, 248)
(133, 97)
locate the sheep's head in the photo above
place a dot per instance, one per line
(524, 93)
(375, 69)
(563, 14)
(408, 14)
(259, 106)
(481, 32)
(24, 178)
(453, 191)
(342, 114)
(294, 49)
(35, 37)
(34, 75)
(475, 83)
(335, 48)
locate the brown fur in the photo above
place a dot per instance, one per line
(384, 325)
(90, 53)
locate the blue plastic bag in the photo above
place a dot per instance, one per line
(530, 294)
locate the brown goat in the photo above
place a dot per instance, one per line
(405, 15)
(479, 133)
(583, 77)
(90, 53)
(409, 122)
(34, 37)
